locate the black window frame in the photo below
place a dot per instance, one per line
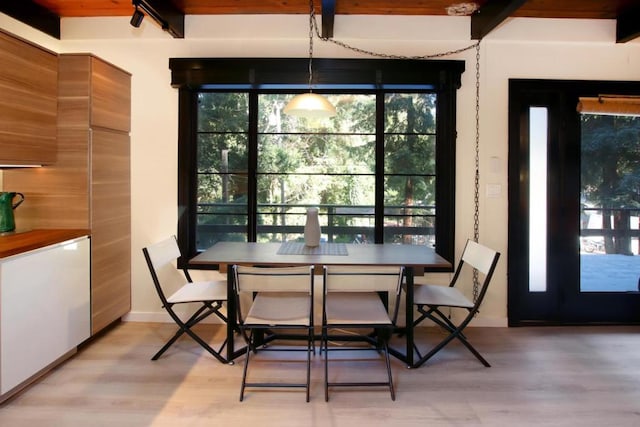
(261, 75)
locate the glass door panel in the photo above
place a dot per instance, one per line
(538, 131)
(610, 203)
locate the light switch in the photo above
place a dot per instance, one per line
(494, 191)
(495, 165)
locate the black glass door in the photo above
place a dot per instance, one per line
(574, 199)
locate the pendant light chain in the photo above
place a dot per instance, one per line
(476, 197)
(309, 105)
(312, 18)
(314, 25)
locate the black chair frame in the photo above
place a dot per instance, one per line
(378, 340)
(258, 338)
(184, 327)
(434, 313)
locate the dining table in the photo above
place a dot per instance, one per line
(414, 258)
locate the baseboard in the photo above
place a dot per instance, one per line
(491, 322)
(155, 317)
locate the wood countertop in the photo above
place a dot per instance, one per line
(15, 243)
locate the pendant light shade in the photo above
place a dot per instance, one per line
(310, 105)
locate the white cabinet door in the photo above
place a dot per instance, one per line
(44, 308)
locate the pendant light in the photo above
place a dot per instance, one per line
(310, 105)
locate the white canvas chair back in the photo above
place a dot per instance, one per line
(168, 278)
(363, 279)
(478, 256)
(164, 252)
(285, 279)
(481, 258)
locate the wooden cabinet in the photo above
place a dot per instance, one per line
(110, 97)
(89, 186)
(110, 227)
(28, 102)
(93, 93)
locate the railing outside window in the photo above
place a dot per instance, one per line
(339, 223)
(610, 231)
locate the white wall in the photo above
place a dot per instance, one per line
(520, 48)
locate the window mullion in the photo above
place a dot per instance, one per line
(379, 186)
(187, 173)
(252, 180)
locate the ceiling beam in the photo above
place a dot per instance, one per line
(628, 24)
(33, 15)
(165, 14)
(492, 14)
(328, 17)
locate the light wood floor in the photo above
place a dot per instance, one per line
(587, 376)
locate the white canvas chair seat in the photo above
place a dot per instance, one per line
(282, 298)
(440, 295)
(211, 295)
(279, 308)
(356, 308)
(200, 291)
(430, 300)
(357, 298)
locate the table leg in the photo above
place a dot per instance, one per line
(409, 315)
(232, 317)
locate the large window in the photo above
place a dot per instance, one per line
(382, 170)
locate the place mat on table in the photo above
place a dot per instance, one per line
(299, 248)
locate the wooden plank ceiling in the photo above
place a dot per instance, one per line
(45, 14)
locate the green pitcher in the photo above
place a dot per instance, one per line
(7, 222)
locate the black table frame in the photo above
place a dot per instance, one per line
(412, 257)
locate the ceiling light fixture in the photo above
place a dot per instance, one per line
(155, 14)
(310, 105)
(137, 17)
(462, 9)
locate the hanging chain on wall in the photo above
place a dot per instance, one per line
(379, 54)
(476, 195)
